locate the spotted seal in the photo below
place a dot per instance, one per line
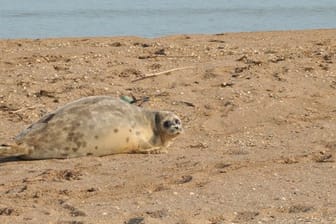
(95, 126)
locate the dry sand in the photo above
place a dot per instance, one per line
(259, 111)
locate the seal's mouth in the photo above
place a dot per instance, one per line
(176, 130)
(180, 131)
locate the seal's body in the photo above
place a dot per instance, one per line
(98, 126)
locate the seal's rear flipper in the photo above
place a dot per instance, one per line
(7, 150)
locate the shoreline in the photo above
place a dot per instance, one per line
(171, 35)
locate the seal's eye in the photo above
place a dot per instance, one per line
(177, 121)
(166, 124)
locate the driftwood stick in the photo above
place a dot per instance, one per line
(151, 75)
(25, 108)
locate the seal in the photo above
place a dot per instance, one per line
(95, 126)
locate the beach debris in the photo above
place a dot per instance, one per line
(130, 71)
(277, 59)
(8, 212)
(116, 44)
(187, 103)
(61, 68)
(248, 61)
(217, 41)
(199, 145)
(158, 213)
(44, 93)
(137, 220)
(144, 45)
(133, 100)
(323, 156)
(239, 70)
(160, 52)
(72, 210)
(226, 84)
(184, 179)
(245, 216)
(152, 75)
(297, 208)
(128, 99)
(222, 165)
(25, 108)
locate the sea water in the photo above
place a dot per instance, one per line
(153, 18)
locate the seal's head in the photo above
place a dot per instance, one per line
(168, 124)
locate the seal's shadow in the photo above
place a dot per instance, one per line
(14, 159)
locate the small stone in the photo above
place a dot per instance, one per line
(184, 179)
(137, 220)
(322, 156)
(116, 44)
(226, 84)
(299, 208)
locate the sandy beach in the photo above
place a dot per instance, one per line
(259, 114)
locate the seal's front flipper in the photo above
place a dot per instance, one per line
(7, 150)
(153, 150)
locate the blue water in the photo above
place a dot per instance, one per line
(152, 18)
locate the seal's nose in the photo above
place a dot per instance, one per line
(179, 129)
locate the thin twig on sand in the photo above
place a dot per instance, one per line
(26, 108)
(151, 75)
